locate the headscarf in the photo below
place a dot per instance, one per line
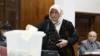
(57, 23)
(59, 9)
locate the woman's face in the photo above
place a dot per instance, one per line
(54, 14)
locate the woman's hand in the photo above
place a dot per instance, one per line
(30, 27)
(62, 43)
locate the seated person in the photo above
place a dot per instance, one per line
(4, 28)
(90, 44)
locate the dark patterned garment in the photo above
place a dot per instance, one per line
(52, 36)
(66, 32)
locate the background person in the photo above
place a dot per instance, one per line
(90, 44)
(4, 28)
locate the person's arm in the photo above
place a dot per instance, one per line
(73, 36)
(42, 26)
(98, 46)
(85, 48)
(72, 39)
(82, 49)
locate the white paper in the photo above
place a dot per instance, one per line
(24, 43)
(95, 52)
(30, 27)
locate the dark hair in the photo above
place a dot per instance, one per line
(6, 26)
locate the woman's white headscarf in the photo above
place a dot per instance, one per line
(57, 23)
(59, 9)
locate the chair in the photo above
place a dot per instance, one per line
(49, 53)
(3, 51)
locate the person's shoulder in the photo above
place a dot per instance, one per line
(46, 17)
(97, 42)
(65, 20)
(44, 22)
(84, 41)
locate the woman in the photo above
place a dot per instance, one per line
(60, 33)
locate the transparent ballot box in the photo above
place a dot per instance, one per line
(24, 43)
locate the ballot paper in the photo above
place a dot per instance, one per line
(30, 27)
(94, 52)
(24, 42)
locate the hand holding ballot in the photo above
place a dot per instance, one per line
(30, 27)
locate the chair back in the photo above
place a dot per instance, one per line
(3, 51)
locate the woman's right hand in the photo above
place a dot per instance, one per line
(62, 43)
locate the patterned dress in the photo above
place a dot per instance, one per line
(67, 32)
